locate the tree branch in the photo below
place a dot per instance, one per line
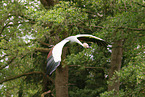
(4, 28)
(134, 29)
(21, 75)
(139, 4)
(42, 49)
(12, 59)
(43, 43)
(47, 92)
(7, 24)
(9, 62)
(86, 67)
(3, 57)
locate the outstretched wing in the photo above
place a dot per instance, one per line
(91, 38)
(54, 57)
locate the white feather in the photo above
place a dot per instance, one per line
(87, 35)
(57, 50)
(74, 39)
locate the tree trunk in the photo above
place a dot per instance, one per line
(116, 58)
(61, 78)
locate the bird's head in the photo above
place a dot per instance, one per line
(85, 45)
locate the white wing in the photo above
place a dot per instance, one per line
(57, 50)
(91, 38)
(87, 35)
(54, 59)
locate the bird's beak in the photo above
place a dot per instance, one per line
(88, 47)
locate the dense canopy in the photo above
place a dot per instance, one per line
(29, 28)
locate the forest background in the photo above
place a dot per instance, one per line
(29, 27)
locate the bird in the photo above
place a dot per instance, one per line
(54, 56)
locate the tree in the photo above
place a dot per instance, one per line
(125, 36)
(28, 28)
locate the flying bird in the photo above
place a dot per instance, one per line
(54, 56)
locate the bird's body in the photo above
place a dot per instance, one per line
(54, 56)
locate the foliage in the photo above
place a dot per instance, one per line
(134, 86)
(25, 24)
(88, 72)
(132, 79)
